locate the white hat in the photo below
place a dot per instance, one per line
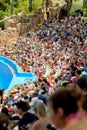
(41, 91)
(84, 73)
(16, 97)
(34, 100)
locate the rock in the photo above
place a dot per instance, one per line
(38, 11)
(61, 3)
(22, 28)
(12, 22)
(21, 14)
(54, 11)
(19, 28)
(24, 22)
(55, 6)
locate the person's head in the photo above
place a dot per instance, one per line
(39, 65)
(61, 104)
(5, 111)
(3, 122)
(22, 107)
(78, 73)
(84, 105)
(77, 93)
(82, 82)
(40, 109)
(27, 99)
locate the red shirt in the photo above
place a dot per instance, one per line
(39, 72)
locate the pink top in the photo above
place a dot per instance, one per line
(39, 72)
(73, 117)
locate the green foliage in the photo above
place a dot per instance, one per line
(36, 4)
(4, 9)
(85, 4)
(16, 4)
(1, 16)
(3, 6)
(6, 1)
(77, 5)
(2, 25)
(19, 6)
(22, 6)
(64, 7)
(73, 13)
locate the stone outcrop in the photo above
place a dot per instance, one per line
(54, 7)
(25, 22)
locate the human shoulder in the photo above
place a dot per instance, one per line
(80, 124)
(37, 125)
(28, 117)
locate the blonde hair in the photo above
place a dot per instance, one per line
(40, 109)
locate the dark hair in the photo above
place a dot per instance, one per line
(65, 84)
(5, 111)
(76, 92)
(84, 105)
(62, 98)
(35, 94)
(82, 82)
(3, 122)
(78, 72)
(22, 105)
(26, 97)
(15, 118)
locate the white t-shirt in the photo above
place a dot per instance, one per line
(15, 128)
(50, 91)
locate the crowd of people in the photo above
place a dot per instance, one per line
(57, 53)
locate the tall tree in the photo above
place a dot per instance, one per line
(30, 5)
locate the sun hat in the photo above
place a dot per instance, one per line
(83, 73)
(34, 100)
(14, 90)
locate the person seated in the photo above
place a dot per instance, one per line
(41, 112)
(26, 117)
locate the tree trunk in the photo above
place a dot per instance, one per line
(30, 5)
(47, 9)
(69, 5)
(11, 7)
